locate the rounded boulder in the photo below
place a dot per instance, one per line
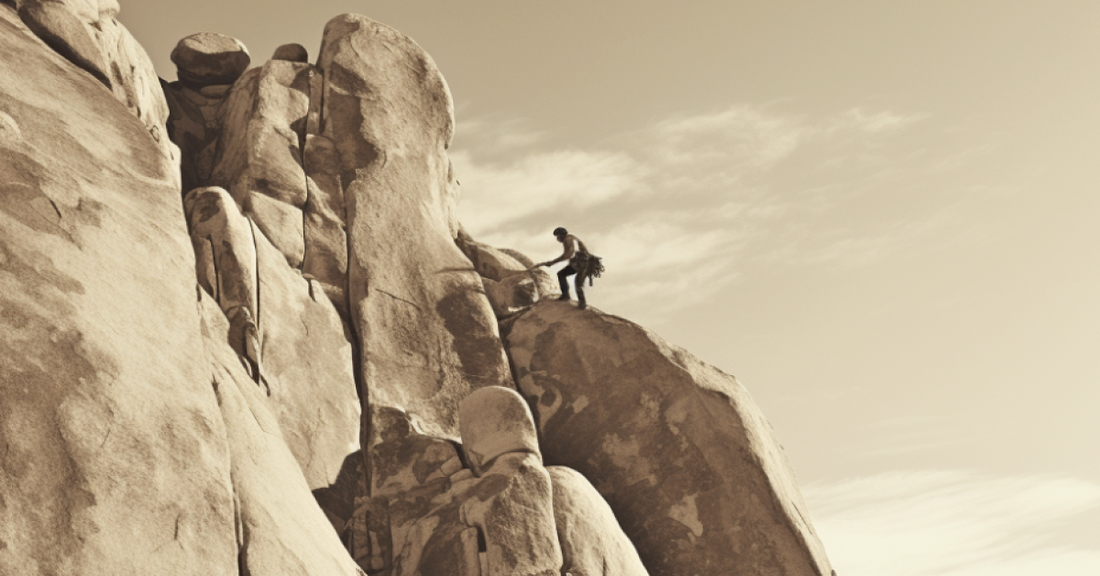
(494, 421)
(210, 58)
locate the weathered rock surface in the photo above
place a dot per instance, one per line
(678, 449)
(282, 531)
(114, 458)
(499, 264)
(87, 34)
(592, 543)
(286, 328)
(496, 519)
(258, 156)
(427, 333)
(209, 58)
(308, 368)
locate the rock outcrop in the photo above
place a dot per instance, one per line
(678, 448)
(114, 450)
(427, 333)
(274, 351)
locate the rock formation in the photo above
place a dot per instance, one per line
(678, 448)
(243, 332)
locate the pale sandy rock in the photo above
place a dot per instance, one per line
(308, 368)
(287, 330)
(592, 543)
(495, 421)
(499, 524)
(115, 459)
(87, 34)
(258, 155)
(678, 448)
(326, 243)
(511, 295)
(282, 531)
(210, 58)
(499, 264)
(291, 53)
(225, 254)
(427, 333)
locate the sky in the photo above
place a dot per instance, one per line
(880, 216)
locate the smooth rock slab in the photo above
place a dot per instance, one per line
(678, 448)
(282, 530)
(427, 333)
(114, 453)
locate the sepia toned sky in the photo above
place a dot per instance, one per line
(883, 218)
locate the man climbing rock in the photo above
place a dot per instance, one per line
(578, 257)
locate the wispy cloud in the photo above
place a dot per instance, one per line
(956, 523)
(682, 206)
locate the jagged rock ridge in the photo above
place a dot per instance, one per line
(201, 330)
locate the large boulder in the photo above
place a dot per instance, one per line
(210, 58)
(88, 34)
(427, 334)
(592, 543)
(677, 447)
(115, 457)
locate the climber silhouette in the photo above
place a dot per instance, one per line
(577, 255)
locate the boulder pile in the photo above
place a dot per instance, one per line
(243, 332)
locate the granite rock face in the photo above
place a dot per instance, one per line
(273, 350)
(678, 448)
(115, 456)
(279, 525)
(427, 333)
(86, 33)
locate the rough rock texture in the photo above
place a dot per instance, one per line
(498, 264)
(114, 458)
(300, 354)
(187, 374)
(427, 333)
(511, 295)
(282, 531)
(592, 543)
(208, 58)
(258, 156)
(496, 519)
(308, 368)
(678, 448)
(87, 34)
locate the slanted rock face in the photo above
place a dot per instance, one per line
(592, 543)
(87, 34)
(678, 448)
(115, 459)
(427, 333)
(282, 531)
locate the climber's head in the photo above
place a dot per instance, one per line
(560, 233)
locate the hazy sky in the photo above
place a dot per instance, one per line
(882, 218)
